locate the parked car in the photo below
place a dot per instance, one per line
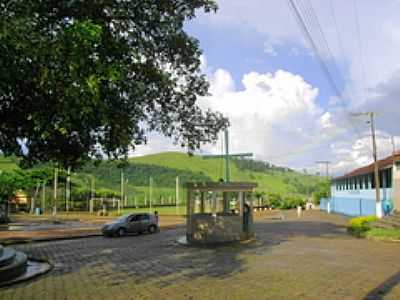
(132, 223)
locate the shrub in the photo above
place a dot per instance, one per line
(360, 225)
(292, 201)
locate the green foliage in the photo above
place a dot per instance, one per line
(107, 193)
(322, 191)
(360, 225)
(275, 200)
(80, 80)
(273, 186)
(292, 201)
(383, 234)
(10, 183)
(259, 166)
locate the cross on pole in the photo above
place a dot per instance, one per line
(227, 156)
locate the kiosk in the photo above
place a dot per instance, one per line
(219, 212)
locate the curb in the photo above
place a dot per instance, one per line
(17, 280)
(17, 241)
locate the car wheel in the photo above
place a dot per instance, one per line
(152, 229)
(121, 231)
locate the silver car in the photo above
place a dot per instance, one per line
(132, 223)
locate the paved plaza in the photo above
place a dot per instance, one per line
(309, 258)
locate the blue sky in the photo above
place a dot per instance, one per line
(241, 50)
(266, 78)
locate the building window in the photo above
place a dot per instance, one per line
(372, 177)
(388, 178)
(366, 182)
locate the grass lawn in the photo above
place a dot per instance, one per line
(384, 234)
(162, 211)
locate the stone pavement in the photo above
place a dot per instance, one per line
(310, 258)
(42, 230)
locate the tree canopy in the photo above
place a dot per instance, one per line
(81, 79)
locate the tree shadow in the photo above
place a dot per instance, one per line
(277, 230)
(160, 258)
(384, 288)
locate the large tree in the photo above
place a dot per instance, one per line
(81, 79)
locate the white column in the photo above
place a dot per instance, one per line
(379, 211)
(214, 204)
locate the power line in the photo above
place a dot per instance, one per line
(358, 32)
(304, 17)
(308, 35)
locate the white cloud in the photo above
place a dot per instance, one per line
(274, 21)
(271, 46)
(274, 114)
(278, 116)
(222, 82)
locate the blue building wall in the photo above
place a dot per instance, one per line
(355, 206)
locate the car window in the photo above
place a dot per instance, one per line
(144, 217)
(135, 218)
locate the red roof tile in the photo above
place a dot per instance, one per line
(383, 163)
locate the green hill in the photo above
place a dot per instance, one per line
(165, 167)
(273, 179)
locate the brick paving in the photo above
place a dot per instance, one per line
(80, 228)
(310, 258)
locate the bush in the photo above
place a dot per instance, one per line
(290, 202)
(360, 225)
(274, 200)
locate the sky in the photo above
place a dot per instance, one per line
(267, 78)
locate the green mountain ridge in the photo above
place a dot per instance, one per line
(166, 166)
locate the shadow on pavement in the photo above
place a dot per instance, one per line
(158, 256)
(384, 288)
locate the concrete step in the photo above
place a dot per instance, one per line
(7, 256)
(392, 222)
(16, 268)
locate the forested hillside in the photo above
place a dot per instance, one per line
(163, 168)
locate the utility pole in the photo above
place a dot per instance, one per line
(227, 163)
(122, 186)
(55, 191)
(393, 145)
(326, 163)
(371, 115)
(125, 192)
(68, 189)
(177, 194)
(150, 192)
(379, 212)
(43, 197)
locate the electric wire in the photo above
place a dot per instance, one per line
(305, 17)
(358, 32)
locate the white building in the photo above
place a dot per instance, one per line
(354, 193)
